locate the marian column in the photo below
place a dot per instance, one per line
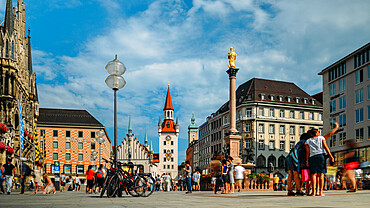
(233, 138)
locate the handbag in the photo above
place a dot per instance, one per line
(305, 175)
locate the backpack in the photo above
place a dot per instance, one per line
(99, 174)
(26, 169)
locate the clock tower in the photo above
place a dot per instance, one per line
(168, 132)
(192, 131)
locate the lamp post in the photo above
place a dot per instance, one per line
(115, 81)
(100, 140)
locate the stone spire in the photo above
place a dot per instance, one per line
(129, 133)
(168, 103)
(9, 17)
(29, 56)
(146, 139)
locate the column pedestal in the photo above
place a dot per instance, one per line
(234, 142)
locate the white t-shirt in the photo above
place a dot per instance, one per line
(239, 172)
(316, 146)
(358, 173)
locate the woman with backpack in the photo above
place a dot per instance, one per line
(100, 178)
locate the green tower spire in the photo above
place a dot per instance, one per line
(129, 126)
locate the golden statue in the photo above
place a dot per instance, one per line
(231, 56)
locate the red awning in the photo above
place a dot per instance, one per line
(9, 150)
(2, 146)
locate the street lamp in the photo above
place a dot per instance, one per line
(100, 140)
(115, 81)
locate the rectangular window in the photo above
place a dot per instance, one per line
(164, 166)
(164, 151)
(55, 133)
(282, 114)
(359, 135)
(164, 142)
(55, 156)
(92, 134)
(282, 129)
(368, 70)
(333, 106)
(342, 138)
(342, 120)
(291, 114)
(52, 168)
(80, 134)
(292, 130)
(92, 146)
(301, 115)
(248, 113)
(359, 115)
(261, 144)
(80, 145)
(55, 145)
(260, 112)
(67, 169)
(68, 156)
(171, 142)
(68, 134)
(80, 169)
(332, 89)
(272, 128)
(261, 128)
(310, 116)
(320, 116)
(291, 145)
(342, 84)
(282, 145)
(368, 92)
(171, 159)
(342, 103)
(164, 159)
(301, 130)
(80, 157)
(248, 143)
(272, 112)
(359, 95)
(248, 127)
(359, 76)
(271, 145)
(68, 145)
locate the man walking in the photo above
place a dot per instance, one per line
(196, 178)
(26, 170)
(9, 172)
(188, 176)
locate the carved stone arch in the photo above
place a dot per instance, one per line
(281, 161)
(271, 159)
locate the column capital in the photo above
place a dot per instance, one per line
(232, 72)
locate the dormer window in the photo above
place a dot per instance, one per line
(249, 97)
(262, 96)
(305, 101)
(313, 102)
(289, 99)
(272, 97)
(297, 99)
(281, 98)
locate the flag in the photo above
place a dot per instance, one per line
(21, 128)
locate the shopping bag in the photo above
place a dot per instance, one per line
(305, 175)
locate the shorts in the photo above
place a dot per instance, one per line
(290, 164)
(63, 183)
(225, 178)
(238, 182)
(90, 184)
(101, 182)
(231, 177)
(317, 164)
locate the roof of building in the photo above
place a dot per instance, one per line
(67, 117)
(342, 59)
(253, 90)
(168, 126)
(168, 103)
(318, 96)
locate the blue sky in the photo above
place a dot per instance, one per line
(184, 44)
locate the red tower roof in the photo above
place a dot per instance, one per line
(168, 103)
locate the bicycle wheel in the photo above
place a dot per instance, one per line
(105, 185)
(113, 185)
(129, 183)
(149, 186)
(140, 185)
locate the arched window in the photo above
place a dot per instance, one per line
(261, 161)
(12, 50)
(7, 49)
(281, 162)
(271, 160)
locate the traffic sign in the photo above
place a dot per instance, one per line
(56, 163)
(56, 169)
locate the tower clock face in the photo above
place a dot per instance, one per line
(193, 135)
(168, 137)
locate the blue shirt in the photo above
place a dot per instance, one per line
(2, 174)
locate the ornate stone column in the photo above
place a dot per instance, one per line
(233, 137)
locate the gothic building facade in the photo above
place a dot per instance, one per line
(17, 84)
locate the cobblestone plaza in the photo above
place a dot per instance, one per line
(180, 199)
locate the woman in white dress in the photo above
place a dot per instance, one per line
(38, 177)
